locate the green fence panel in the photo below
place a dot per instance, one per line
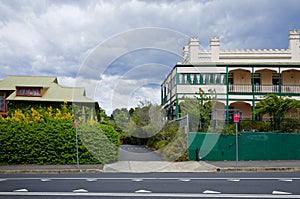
(252, 146)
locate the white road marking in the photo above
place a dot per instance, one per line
(2, 179)
(211, 192)
(286, 180)
(280, 193)
(91, 179)
(45, 179)
(233, 180)
(137, 180)
(152, 195)
(184, 179)
(80, 191)
(21, 190)
(143, 191)
(154, 178)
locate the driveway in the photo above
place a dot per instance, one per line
(138, 153)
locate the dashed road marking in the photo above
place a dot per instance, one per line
(45, 179)
(233, 180)
(80, 191)
(280, 193)
(143, 191)
(184, 179)
(21, 190)
(286, 180)
(155, 178)
(211, 192)
(137, 180)
(91, 179)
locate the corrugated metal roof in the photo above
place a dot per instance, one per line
(10, 82)
(53, 93)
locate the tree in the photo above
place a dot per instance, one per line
(198, 109)
(139, 124)
(121, 118)
(276, 107)
(147, 120)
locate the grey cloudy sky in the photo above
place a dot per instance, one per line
(120, 51)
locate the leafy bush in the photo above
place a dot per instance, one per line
(175, 150)
(290, 125)
(47, 136)
(41, 143)
(102, 141)
(230, 129)
(170, 143)
(258, 126)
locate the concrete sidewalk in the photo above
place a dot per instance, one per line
(49, 169)
(159, 166)
(259, 166)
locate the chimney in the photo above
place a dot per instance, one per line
(215, 48)
(185, 54)
(193, 49)
(294, 44)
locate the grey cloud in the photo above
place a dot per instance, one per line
(83, 39)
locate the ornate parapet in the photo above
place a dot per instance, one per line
(194, 54)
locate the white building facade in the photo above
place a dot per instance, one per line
(238, 78)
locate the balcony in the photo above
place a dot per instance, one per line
(247, 88)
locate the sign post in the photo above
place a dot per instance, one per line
(236, 119)
(77, 158)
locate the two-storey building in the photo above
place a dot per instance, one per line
(238, 78)
(41, 90)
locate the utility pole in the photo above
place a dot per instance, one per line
(236, 119)
(77, 157)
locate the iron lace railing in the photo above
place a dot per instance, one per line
(247, 88)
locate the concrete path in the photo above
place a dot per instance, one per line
(138, 153)
(140, 159)
(159, 166)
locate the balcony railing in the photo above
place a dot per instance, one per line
(247, 88)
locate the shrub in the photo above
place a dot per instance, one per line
(102, 141)
(52, 142)
(43, 135)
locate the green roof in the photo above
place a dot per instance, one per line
(10, 82)
(53, 92)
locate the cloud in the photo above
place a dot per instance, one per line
(87, 42)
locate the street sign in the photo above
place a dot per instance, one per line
(236, 117)
(75, 124)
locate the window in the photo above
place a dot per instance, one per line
(213, 78)
(223, 79)
(197, 78)
(30, 92)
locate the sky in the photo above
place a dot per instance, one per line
(121, 51)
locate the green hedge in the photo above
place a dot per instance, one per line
(170, 143)
(54, 142)
(102, 141)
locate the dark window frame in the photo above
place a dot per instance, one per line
(29, 91)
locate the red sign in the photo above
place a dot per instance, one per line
(236, 117)
(75, 124)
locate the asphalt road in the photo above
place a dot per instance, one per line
(152, 185)
(138, 153)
